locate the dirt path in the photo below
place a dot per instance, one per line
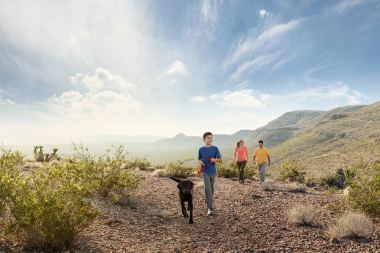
(243, 223)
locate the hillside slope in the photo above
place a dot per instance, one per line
(335, 139)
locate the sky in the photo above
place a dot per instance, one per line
(161, 67)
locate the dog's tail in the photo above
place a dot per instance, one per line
(176, 179)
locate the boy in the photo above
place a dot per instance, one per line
(208, 155)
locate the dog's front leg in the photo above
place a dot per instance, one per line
(184, 212)
(191, 211)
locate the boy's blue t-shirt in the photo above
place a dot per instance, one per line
(204, 154)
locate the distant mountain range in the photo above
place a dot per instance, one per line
(324, 140)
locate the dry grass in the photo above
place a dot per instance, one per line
(302, 214)
(296, 187)
(159, 173)
(267, 186)
(352, 225)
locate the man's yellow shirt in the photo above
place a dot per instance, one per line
(261, 155)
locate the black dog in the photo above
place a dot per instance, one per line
(185, 194)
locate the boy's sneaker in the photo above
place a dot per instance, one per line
(210, 212)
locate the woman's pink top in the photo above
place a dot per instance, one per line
(241, 153)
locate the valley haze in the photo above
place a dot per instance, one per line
(278, 135)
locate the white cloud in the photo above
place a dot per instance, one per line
(198, 99)
(5, 101)
(245, 98)
(254, 65)
(106, 98)
(209, 10)
(176, 68)
(100, 80)
(344, 5)
(334, 90)
(266, 39)
(263, 13)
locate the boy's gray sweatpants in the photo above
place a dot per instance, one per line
(209, 181)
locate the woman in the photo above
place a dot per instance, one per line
(241, 158)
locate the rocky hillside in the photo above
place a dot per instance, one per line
(334, 139)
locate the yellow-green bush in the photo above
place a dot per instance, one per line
(105, 173)
(10, 168)
(250, 171)
(141, 163)
(364, 193)
(50, 205)
(292, 171)
(226, 170)
(49, 208)
(179, 169)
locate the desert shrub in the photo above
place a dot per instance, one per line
(10, 169)
(250, 171)
(267, 186)
(224, 170)
(293, 171)
(159, 167)
(104, 174)
(311, 182)
(338, 179)
(49, 207)
(141, 163)
(338, 205)
(352, 225)
(111, 178)
(328, 180)
(350, 174)
(301, 214)
(179, 169)
(364, 192)
(296, 187)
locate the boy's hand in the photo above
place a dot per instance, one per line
(212, 160)
(199, 173)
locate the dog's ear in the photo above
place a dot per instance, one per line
(176, 179)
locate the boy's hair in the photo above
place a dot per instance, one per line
(260, 141)
(206, 134)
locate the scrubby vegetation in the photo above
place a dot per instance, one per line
(140, 163)
(302, 214)
(267, 186)
(292, 171)
(179, 169)
(230, 170)
(296, 187)
(226, 170)
(49, 206)
(364, 193)
(352, 225)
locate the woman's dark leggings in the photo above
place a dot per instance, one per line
(241, 167)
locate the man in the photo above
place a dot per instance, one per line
(208, 155)
(262, 160)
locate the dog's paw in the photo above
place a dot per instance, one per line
(191, 222)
